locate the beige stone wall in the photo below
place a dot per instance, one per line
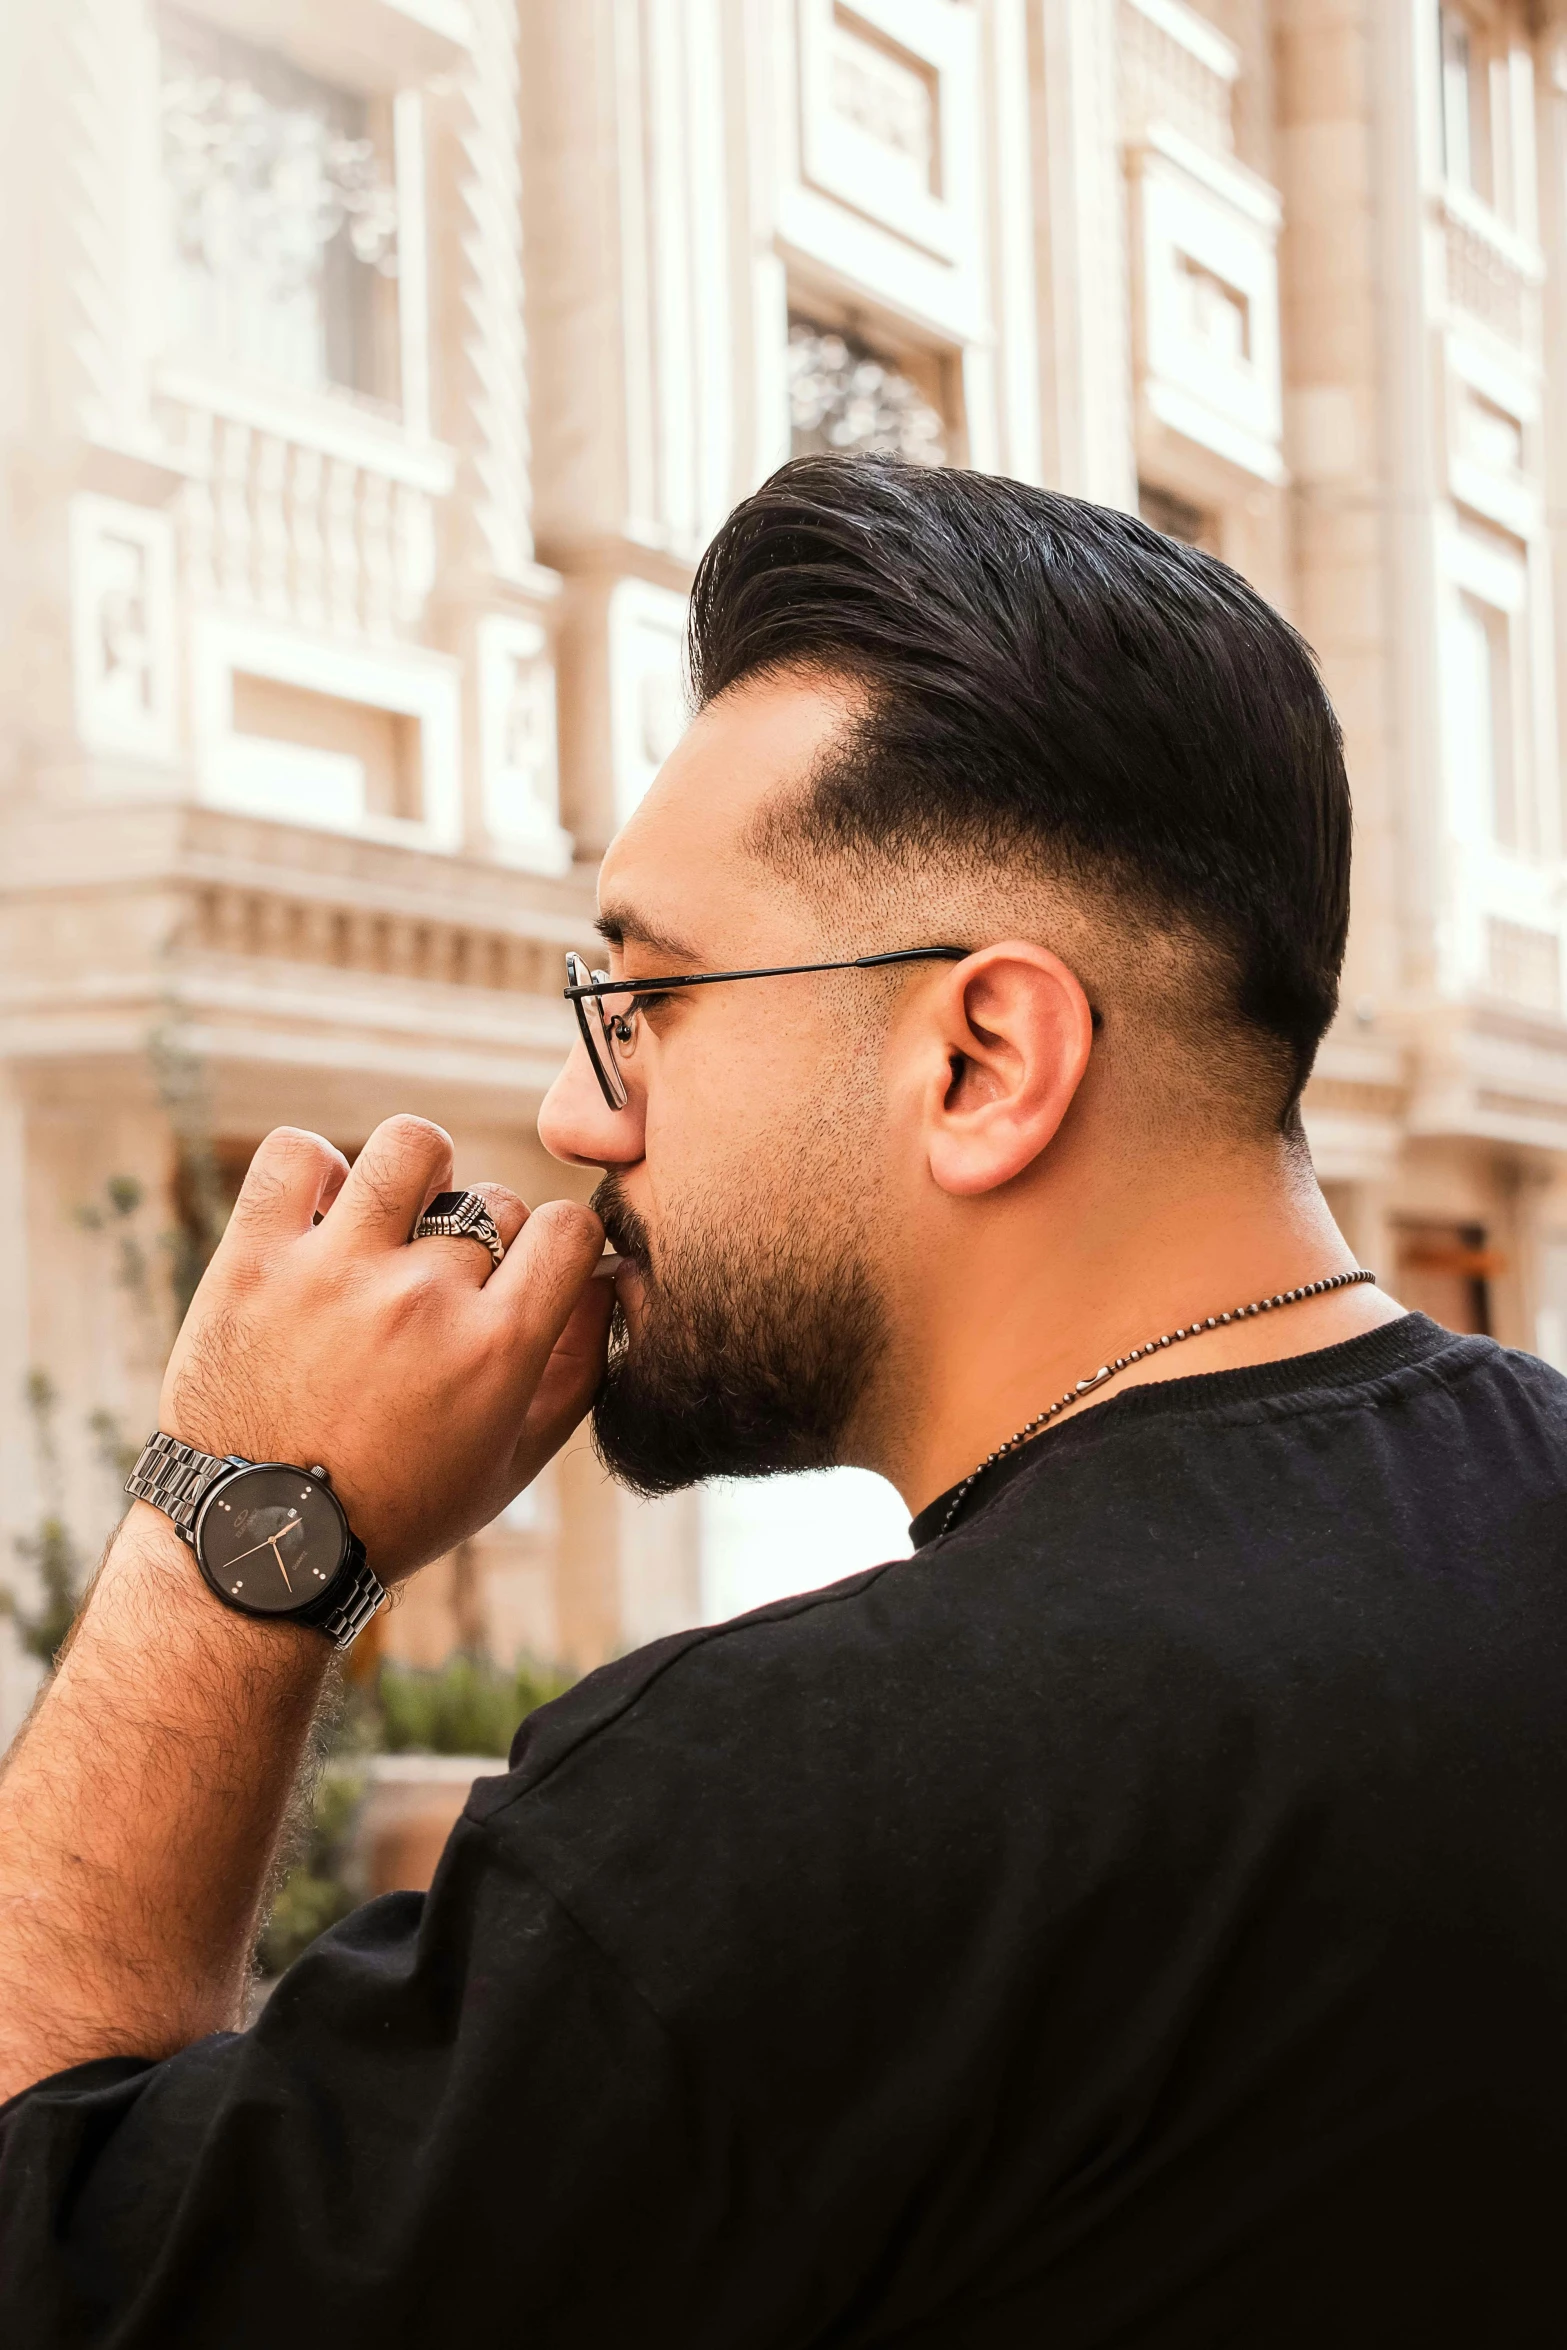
(1243, 261)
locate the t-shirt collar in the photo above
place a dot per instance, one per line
(1394, 1346)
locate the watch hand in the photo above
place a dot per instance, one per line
(292, 1528)
(275, 1539)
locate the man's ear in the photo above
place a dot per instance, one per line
(1016, 1030)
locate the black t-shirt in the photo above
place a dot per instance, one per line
(1139, 1918)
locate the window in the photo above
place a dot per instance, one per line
(1484, 766)
(282, 215)
(844, 394)
(1458, 110)
(328, 761)
(309, 732)
(1486, 100)
(1446, 1270)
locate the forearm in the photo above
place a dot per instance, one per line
(139, 1814)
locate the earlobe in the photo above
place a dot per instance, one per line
(1018, 1032)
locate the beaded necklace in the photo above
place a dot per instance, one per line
(1107, 1371)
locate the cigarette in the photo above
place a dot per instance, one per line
(607, 1267)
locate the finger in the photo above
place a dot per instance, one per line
(546, 1270)
(405, 1162)
(336, 1178)
(471, 1255)
(505, 1207)
(293, 1177)
(571, 1379)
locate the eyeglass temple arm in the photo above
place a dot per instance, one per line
(774, 971)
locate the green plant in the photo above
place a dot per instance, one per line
(203, 1204)
(52, 1550)
(469, 1705)
(317, 1890)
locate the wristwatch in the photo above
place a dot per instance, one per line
(270, 1540)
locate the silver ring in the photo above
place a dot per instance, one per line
(460, 1215)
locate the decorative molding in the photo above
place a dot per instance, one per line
(1206, 304)
(879, 138)
(94, 76)
(648, 712)
(520, 778)
(379, 45)
(313, 762)
(122, 627)
(348, 936)
(336, 426)
(491, 326)
(877, 98)
(1080, 206)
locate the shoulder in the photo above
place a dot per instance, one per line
(768, 1649)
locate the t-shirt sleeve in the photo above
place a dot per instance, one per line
(448, 2096)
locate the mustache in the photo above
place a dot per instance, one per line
(624, 1229)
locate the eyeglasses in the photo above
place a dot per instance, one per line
(611, 1037)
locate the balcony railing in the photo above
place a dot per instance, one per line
(1178, 69)
(328, 530)
(1492, 275)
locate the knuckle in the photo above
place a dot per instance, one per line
(503, 1204)
(286, 1155)
(423, 1293)
(410, 1137)
(294, 1146)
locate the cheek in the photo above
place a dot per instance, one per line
(726, 1084)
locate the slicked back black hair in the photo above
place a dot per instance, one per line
(1056, 684)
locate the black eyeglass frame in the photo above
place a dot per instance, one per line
(599, 984)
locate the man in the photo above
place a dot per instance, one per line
(1137, 1918)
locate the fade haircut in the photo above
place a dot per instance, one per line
(1052, 686)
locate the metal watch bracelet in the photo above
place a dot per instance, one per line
(176, 1479)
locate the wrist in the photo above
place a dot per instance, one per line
(149, 1592)
(270, 1538)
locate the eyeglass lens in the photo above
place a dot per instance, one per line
(601, 1030)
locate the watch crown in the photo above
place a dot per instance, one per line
(322, 1476)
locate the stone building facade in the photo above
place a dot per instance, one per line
(374, 372)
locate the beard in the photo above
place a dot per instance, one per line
(751, 1353)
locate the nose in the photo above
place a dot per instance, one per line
(577, 1125)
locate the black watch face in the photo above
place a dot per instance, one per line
(271, 1540)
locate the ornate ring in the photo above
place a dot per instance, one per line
(460, 1215)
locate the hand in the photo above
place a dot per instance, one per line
(431, 1385)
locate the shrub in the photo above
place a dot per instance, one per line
(469, 1705)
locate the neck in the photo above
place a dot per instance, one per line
(1039, 1289)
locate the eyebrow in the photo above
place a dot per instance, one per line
(617, 924)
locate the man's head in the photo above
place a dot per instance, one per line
(939, 707)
